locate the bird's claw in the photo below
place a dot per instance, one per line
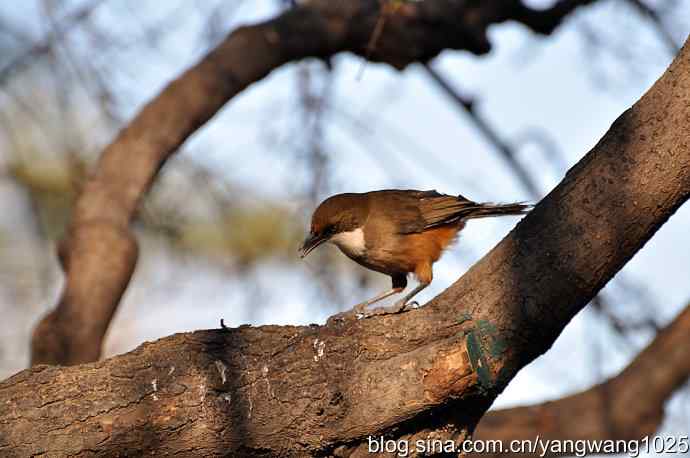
(361, 313)
(401, 306)
(398, 307)
(356, 312)
(412, 305)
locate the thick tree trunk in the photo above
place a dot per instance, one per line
(177, 396)
(292, 391)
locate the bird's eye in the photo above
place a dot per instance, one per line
(330, 230)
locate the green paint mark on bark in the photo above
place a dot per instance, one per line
(475, 352)
(497, 345)
(485, 343)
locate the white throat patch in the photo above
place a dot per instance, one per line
(351, 243)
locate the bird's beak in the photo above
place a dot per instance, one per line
(311, 242)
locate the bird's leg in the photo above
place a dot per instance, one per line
(402, 304)
(399, 306)
(360, 310)
(424, 274)
(399, 284)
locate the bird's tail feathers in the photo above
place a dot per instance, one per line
(486, 209)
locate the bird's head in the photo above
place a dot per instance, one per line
(339, 213)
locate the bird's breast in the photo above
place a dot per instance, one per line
(351, 243)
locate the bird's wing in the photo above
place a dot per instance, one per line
(416, 211)
(444, 209)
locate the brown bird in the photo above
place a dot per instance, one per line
(396, 232)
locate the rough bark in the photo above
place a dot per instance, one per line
(292, 391)
(628, 406)
(73, 332)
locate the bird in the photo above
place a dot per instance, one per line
(396, 232)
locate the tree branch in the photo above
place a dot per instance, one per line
(291, 391)
(508, 153)
(544, 21)
(100, 252)
(628, 406)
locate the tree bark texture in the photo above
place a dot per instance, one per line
(100, 253)
(628, 406)
(321, 390)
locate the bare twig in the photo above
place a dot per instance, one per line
(661, 29)
(504, 149)
(45, 46)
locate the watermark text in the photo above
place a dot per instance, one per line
(538, 446)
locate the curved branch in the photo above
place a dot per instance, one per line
(284, 390)
(100, 254)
